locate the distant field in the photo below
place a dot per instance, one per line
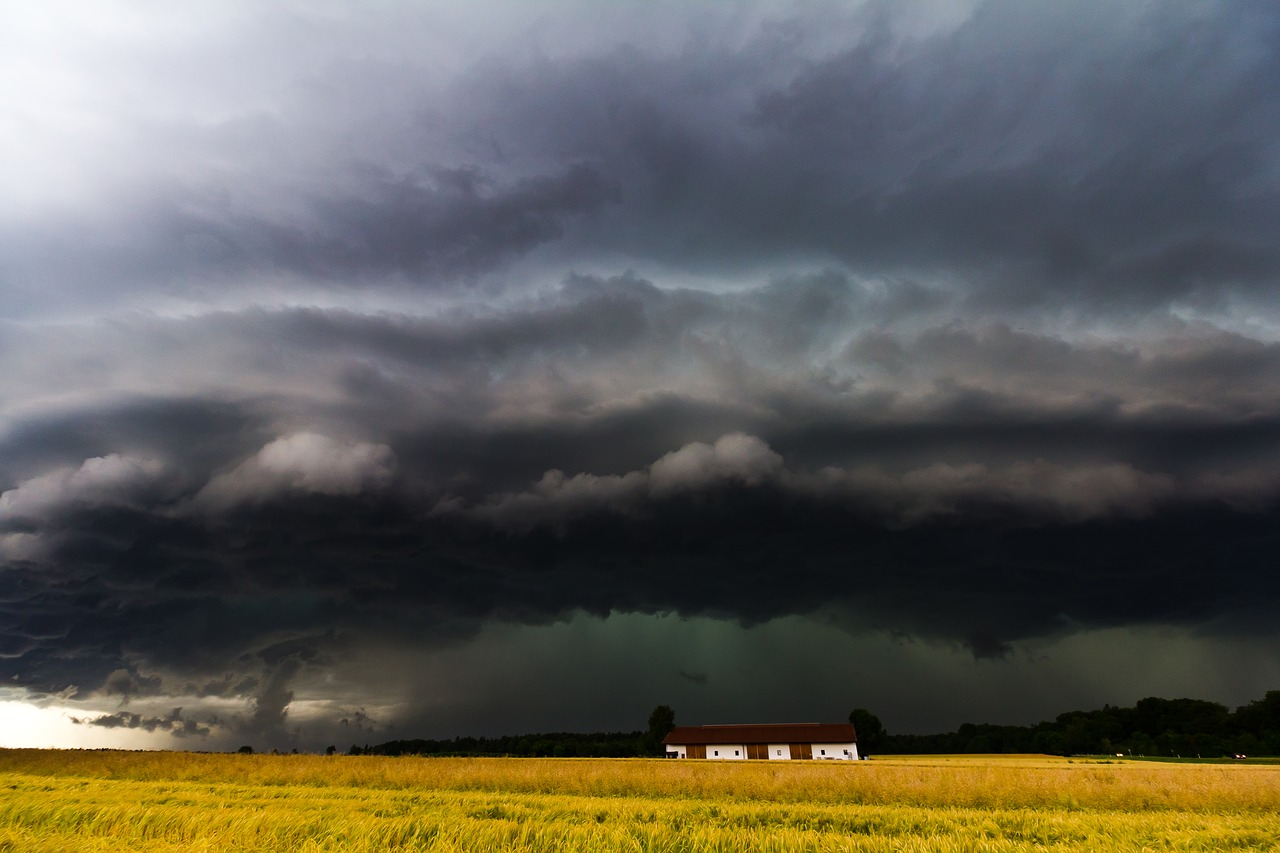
(117, 801)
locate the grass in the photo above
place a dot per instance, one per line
(117, 801)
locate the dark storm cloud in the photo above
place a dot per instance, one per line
(1118, 157)
(126, 684)
(225, 686)
(1111, 156)
(928, 435)
(963, 332)
(702, 531)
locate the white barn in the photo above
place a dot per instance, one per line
(771, 741)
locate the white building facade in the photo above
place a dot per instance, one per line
(772, 742)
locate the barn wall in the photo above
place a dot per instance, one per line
(836, 751)
(776, 751)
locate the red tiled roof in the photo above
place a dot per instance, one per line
(763, 733)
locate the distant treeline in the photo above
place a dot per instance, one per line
(547, 745)
(1153, 727)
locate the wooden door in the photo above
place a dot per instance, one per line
(758, 751)
(696, 750)
(802, 750)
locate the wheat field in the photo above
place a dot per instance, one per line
(118, 801)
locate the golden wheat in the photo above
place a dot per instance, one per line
(113, 801)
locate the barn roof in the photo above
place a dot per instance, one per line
(764, 733)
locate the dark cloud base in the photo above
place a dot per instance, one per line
(132, 589)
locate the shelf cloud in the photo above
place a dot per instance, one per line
(348, 354)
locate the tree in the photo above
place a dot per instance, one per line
(245, 750)
(661, 722)
(1261, 714)
(870, 731)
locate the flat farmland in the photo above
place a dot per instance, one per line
(117, 801)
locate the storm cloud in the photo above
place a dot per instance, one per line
(955, 328)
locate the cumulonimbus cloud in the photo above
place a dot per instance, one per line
(342, 325)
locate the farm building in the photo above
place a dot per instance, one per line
(775, 741)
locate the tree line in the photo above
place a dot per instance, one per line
(544, 745)
(1152, 727)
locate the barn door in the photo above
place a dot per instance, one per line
(802, 750)
(758, 750)
(696, 750)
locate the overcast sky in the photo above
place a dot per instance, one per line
(400, 369)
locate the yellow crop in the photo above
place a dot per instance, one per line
(117, 801)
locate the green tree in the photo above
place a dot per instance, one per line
(1260, 715)
(661, 722)
(870, 731)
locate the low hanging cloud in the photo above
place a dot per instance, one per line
(300, 464)
(128, 685)
(173, 723)
(22, 547)
(733, 459)
(1037, 491)
(104, 481)
(32, 512)
(736, 458)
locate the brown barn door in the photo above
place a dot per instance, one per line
(802, 750)
(758, 751)
(696, 750)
